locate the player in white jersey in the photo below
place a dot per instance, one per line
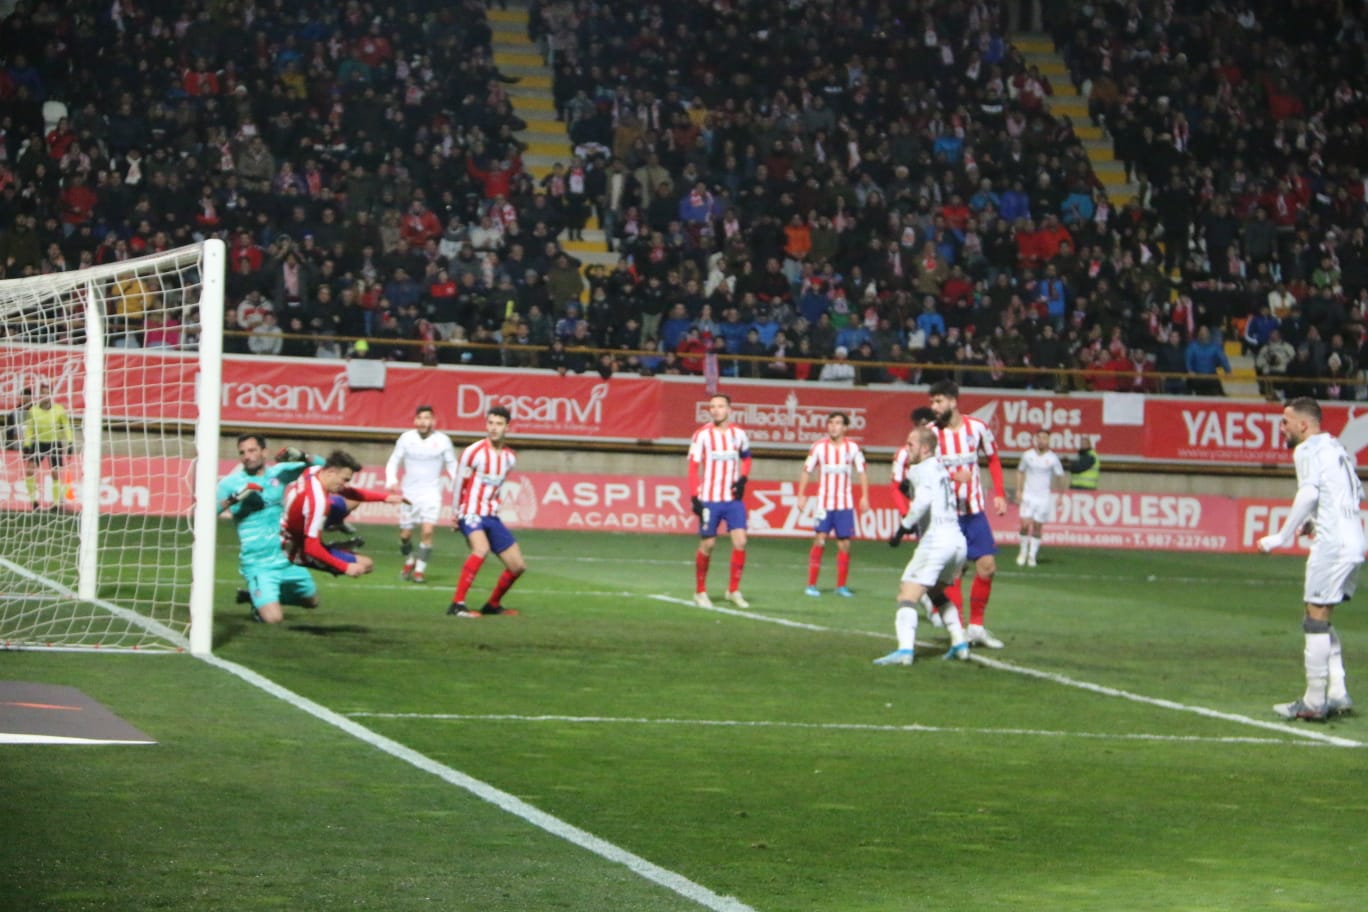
(719, 466)
(901, 481)
(1326, 508)
(482, 469)
(940, 553)
(424, 455)
(836, 461)
(1039, 474)
(963, 439)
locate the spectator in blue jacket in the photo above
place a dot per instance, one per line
(1206, 353)
(929, 321)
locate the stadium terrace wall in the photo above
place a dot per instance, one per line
(313, 396)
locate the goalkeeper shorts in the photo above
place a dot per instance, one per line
(286, 585)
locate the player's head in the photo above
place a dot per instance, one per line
(424, 420)
(252, 452)
(837, 424)
(922, 443)
(922, 415)
(1301, 418)
(337, 471)
(944, 401)
(1042, 440)
(719, 408)
(42, 394)
(496, 423)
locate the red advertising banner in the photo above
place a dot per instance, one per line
(658, 504)
(277, 394)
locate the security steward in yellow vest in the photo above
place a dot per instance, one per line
(1084, 471)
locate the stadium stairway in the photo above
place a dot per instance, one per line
(1037, 48)
(545, 136)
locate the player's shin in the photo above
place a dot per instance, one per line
(701, 561)
(842, 568)
(978, 598)
(738, 563)
(468, 571)
(814, 564)
(1317, 659)
(506, 581)
(424, 555)
(905, 624)
(1337, 689)
(950, 616)
(954, 592)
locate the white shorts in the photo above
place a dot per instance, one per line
(425, 510)
(1331, 577)
(935, 562)
(1037, 509)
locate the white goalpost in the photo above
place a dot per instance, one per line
(110, 379)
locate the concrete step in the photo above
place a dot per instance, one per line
(559, 151)
(1033, 44)
(1087, 132)
(506, 45)
(1051, 67)
(528, 57)
(512, 14)
(1099, 150)
(536, 104)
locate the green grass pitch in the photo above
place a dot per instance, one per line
(1119, 754)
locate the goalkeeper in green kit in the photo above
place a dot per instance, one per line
(252, 495)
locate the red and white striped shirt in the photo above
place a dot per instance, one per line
(304, 514)
(960, 449)
(482, 471)
(902, 468)
(719, 456)
(836, 464)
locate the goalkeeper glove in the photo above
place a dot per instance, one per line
(291, 454)
(249, 497)
(905, 487)
(697, 506)
(739, 487)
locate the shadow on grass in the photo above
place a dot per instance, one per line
(329, 630)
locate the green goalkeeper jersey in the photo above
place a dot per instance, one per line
(259, 529)
(47, 425)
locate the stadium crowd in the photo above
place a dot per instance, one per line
(879, 187)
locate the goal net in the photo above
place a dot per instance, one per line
(109, 389)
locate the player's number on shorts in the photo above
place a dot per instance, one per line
(706, 518)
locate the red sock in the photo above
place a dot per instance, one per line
(955, 593)
(468, 571)
(506, 581)
(738, 563)
(978, 598)
(700, 571)
(814, 564)
(842, 567)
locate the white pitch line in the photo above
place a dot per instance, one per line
(833, 726)
(998, 664)
(511, 804)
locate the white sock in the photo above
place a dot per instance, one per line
(1035, 547)
(950, 616)
(1317, 657)
(1337, 689)
(419, 566)
(905, 623)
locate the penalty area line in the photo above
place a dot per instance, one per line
(1053, 677)
(676, 883)
(912, 728)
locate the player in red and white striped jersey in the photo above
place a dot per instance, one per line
(963, 439)
(482, 469)
(306, 506)
(719, 466)
(836, 461)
